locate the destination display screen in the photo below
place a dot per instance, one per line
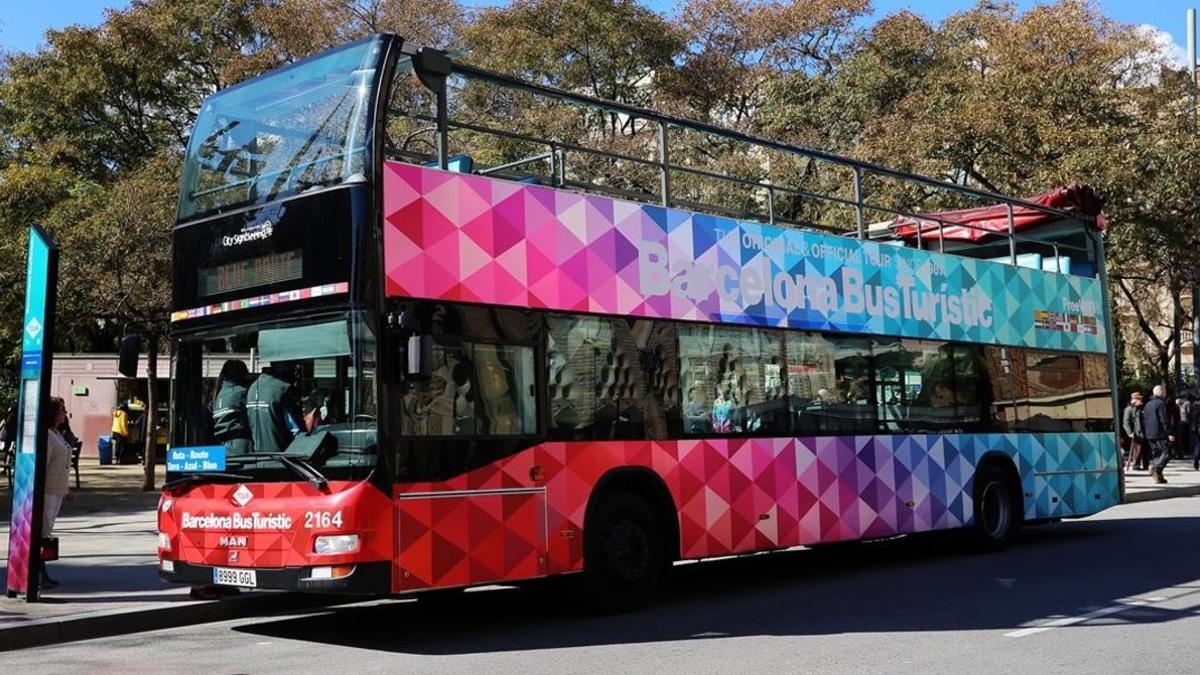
(251, 273)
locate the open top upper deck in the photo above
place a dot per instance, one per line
(286, 173)
(612, 214)
(462, 118)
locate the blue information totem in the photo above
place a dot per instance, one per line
(29, 481)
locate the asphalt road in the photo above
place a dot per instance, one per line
(1118, 592)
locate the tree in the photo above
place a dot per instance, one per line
(120, 258)
(93, 126)
(1155, 247)
(611, 49)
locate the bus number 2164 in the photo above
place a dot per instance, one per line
(322, 519)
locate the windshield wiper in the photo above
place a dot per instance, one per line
(299, 466)
(214, 477)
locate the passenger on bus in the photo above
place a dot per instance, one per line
(721, 409)
(696, 413)
(230, 424)
(317, 411)
(273, 409)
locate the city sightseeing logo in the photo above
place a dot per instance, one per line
(254, 232)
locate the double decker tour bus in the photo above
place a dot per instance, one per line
(417, 347)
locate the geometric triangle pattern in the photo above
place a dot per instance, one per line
(206, 526)
(19, 549)
(496, 523)
(456, 540)
(454, 236)
(735, 496)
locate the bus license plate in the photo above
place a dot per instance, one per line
(223, 576)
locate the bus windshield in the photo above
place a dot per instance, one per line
(295, 129)
(304, 389)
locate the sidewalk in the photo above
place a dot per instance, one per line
(108, 569)
(1182, 481)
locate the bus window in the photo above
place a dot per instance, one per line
(915, 386)
(578, 348)
(658, 358)
(732, 380)
(474, 390)
(829, 384)
(611, 378)
(1055, 388)
(1098, 392)
(973, 389)
(1006, 383)
(506, 402)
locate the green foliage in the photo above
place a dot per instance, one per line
(92, 125)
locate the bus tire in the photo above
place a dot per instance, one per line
(624, 556)
(998, 510)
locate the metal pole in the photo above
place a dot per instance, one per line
(1012, 234)
(664, 160)
(858, 204)
(1176, 321)
(443, 134)
(1195, 336)
(1191, 58)
(1106, 310)
(770, 204)
(1191, 48)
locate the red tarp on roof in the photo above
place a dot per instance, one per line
(980, 223)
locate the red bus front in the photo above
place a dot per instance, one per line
(278, 535)
(274, 475)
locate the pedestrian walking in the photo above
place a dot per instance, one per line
(1131, 424)
(1194, 428)
(120, 432)
(1183, 437)
(1157, 427)
(58, 475)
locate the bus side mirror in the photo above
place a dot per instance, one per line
(127, 364)
(420, 356)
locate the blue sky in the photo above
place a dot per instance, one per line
(23, 22)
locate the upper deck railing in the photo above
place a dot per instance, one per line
(457, 130)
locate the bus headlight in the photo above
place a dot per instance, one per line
(164, 542)
(335, 543)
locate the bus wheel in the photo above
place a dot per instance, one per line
(623, 554)
(997, 510)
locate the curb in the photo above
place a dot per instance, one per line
(1161, 493)
(57, 630)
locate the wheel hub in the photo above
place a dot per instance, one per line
(994, 510)
(629, 551)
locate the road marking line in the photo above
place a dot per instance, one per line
(1122, 606)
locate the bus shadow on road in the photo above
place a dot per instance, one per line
(909, 584)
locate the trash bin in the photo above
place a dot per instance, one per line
(104, 448)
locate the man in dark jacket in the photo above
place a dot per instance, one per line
(273, 408)
(1131, 424)
(1157, 425)
(230, 424)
